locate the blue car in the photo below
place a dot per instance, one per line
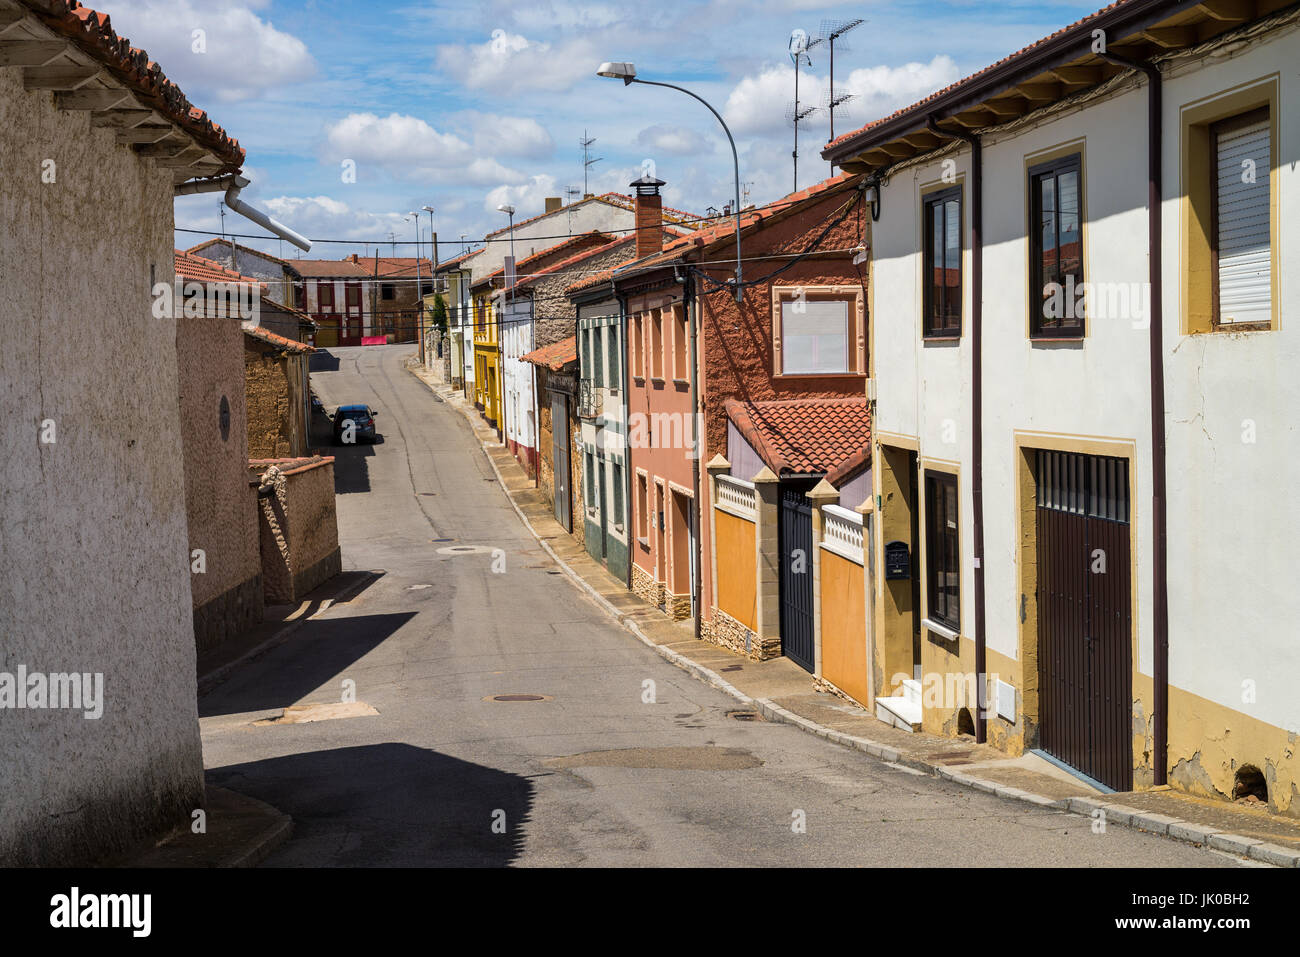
(362, 418)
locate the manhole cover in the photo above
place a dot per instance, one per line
(464, 550)
(518, 697)
(743, 715)
(428, 493)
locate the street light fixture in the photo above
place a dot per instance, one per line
(622, 70)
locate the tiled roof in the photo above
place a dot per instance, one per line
(595, 238)
(362, 267)
(198, 248)
(93, 34)
(291, 346)
(719, 231)
(327, 268)
(803, 436)
(572, 261)
(621, 200)
(975, 77)
(189, 266)
(456, 260)
(555, 356)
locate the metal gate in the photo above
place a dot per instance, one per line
(795, 547)
(1085, 615)
(560, 458)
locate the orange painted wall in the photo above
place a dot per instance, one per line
(844, 628)
(737, 574)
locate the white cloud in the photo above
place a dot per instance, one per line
(511, 63)
(758, 103)
(884, 89)
(511, 136)
(408, 148)
(220, 49)
(674, 140)
(524, 196)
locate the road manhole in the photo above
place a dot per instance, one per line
(743, 715)
(519, 697)
(464, 550)
(428, 493)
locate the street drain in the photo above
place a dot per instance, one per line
(326, 711)
(743, 715)
(518, 697)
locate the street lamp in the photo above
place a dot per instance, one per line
(509, 211)
(621, 70)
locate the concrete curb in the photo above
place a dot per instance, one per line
(1170, 827)
(210, 679)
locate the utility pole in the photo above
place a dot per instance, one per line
(832, 30)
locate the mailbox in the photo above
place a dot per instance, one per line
(898, 561)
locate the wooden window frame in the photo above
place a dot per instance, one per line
(1228, 124)
(656, 369)
(321, 289)
(1052, 167)
(681, 353)
(936, 532)
(636, 346)
(928, 202)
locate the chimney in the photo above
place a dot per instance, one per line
(554, 203)
(649, 215)
(352, 258)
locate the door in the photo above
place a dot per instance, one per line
(560, 458)
(796, 579)
(1085, 614)
(600, 490)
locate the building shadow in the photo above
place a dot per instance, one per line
(352, 467)
(322, 360)
(388, 805)
(320, 650)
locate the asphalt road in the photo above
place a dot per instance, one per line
(594, 774)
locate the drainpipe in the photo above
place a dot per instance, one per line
(232, 184)
(689, 306)
(977, 405)
(1160, 557)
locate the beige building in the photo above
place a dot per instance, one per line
(95, 580)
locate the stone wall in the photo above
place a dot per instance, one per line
(645, 586)
(724, 630)
(276, 417)
(299, 527)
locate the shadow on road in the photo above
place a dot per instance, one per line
(322, 360)
(351, 468)
(320, 650)
(388, 805)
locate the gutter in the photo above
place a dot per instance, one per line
(232, 184)
(1159, 526)
(977, 408)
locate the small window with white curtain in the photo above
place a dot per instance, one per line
(815, 337)
(1241, 249)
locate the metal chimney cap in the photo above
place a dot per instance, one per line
(647, 185)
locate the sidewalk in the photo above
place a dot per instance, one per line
(780, 690)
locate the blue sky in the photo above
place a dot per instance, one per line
(465, 105)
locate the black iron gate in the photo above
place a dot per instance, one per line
(795, 546)
(560, 458)
(1085, 615)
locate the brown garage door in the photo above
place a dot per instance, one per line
(1084, 614)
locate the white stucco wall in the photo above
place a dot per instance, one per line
(94, 568)
(1232, 553)
(546, 231)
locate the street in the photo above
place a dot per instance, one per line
(589, 775)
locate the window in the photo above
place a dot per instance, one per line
(589, 480)
(643, 507)
(1241, 247)
(616, 474)
(657, 345)
(325, 292)
(942, 550)
(615, 357)
(943, 294)
(387, 291)
(636, 347)
(352, 295)
(814, 336)
(1055, 248)
(598, 335)
(681, 368)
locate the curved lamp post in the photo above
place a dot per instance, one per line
(627, 73)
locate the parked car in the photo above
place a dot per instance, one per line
(362, 418)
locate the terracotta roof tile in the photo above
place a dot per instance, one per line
(291, 346)
(970, 80)
(621, 200)
(555, 356)
(804, 436)
(93, 34)
(189, 266)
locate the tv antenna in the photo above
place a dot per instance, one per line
(587, 162)
(800, 44)
(833, 30)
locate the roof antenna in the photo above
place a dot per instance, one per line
(587, 162)
(800, 44)
(832, 30)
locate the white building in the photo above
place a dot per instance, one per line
(1069, 626)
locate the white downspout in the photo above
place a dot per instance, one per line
(232, 184)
